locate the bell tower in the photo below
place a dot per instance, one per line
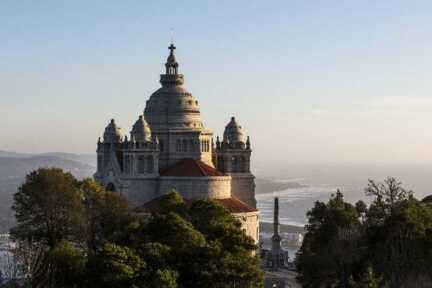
(232, 156)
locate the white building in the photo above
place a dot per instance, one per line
(169, 148)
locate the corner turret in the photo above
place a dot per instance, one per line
(232, 156)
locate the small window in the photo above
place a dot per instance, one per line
(184, 145)
(178, 145)
(234, 164)
(127, 165)
(161, 145)
(205, 145)
(111, 187)
(242, 164)
(141, 165)
(150, 164)
(221, 164)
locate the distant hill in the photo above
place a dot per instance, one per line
(15, 166)
(13, 154)
(89, 159)
(18, 167)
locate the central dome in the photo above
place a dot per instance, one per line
(172, 106)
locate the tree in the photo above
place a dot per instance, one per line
(388, 194)
(68, 265)
(105, 217)
(392, 243)
(331, 247)
(180, 251)
(48, 207)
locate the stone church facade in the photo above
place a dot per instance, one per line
(169, 148)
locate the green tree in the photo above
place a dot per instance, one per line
(179, 250)
(68, 265)
(388, 194)
(392, 243)
(48, 207)
(332, 245)
(105, 217)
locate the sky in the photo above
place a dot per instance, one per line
(310, 81)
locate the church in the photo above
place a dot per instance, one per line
(169, 148)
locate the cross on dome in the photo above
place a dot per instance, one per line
(172, 48)
(171, 64)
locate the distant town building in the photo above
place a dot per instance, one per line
(170, 149)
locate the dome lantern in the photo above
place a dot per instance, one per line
(172, 105)
(171, 76)
(112, 133)
(171, 65)
(233, 132)
(141, 131)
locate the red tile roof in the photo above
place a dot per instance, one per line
(191, 168)
(233, 205)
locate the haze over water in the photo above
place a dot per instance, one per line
(323, 180)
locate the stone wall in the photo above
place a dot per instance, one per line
(197, 187)
(250, 223)
(139, 190)
(243, 188)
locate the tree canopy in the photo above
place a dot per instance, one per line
(76, 234)
(388, 243)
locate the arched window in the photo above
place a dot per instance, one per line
(205, 146)
(234, 164)
(191, 145)
(141, 165)
(184, 146)
(127, 165)
(242, 164)
(110, 187)
(161, 145)
(178, 145)
(150, 164)
(221, 163)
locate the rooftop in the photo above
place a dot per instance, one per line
(191, 168)
(233, 205)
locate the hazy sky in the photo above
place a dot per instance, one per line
(310, 81)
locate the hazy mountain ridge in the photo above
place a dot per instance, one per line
(18, 167)
(13, 154)
(15, 166)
